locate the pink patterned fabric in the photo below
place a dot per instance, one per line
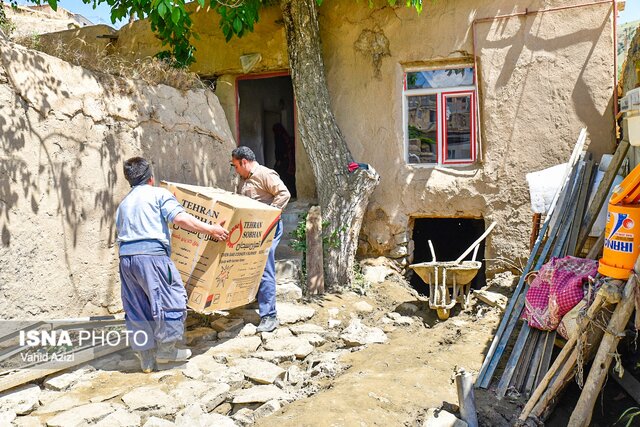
(556, 289)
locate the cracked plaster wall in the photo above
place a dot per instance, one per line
(64, 133)
(542, 77)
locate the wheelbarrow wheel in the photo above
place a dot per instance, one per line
(443, 313)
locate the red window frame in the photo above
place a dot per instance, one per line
(472, 110)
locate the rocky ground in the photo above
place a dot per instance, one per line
(376, 357)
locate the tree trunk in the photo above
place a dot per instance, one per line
(343, 196)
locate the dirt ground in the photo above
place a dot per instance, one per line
(396, 382)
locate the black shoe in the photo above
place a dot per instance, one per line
(268, 324)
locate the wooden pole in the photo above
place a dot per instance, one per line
(601, 194)
(466, 399)
(314, 262)
(581, 415)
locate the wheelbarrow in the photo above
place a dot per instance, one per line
(450, 281)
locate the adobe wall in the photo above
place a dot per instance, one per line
(542, 77)
(64, 133)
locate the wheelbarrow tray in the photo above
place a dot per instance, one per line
(464, 271)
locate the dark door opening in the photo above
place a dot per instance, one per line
(266, 123)
(450, 238)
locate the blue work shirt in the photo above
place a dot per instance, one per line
(142, 221)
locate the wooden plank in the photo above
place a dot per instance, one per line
(520, 301)
(546, 357)
(497, 345)
(314, 261)
(585, 189)
(581, 415)
(535, 230)
(628, 383)
(48, 368)
(523, 363)
(513, 360)
(597, 247)
(536, 359)
(601, 194)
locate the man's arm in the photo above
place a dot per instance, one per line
(191, 223)
(280, 192)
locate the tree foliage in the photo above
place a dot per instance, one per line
(172, 23)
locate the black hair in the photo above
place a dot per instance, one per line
(243, 152)
(137, 170)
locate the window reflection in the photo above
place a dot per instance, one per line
(423, 129)
(432, 79)
(458, 127)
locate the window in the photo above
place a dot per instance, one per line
(440, 116)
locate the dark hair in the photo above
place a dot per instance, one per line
(243, 152)
(137, 170)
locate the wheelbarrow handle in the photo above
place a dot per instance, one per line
(476, 243)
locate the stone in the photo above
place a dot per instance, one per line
(313, 339)
(295, 375)
(224, 409)
(107, 363)
(249, 315)
(333, 312)
(200, 334)
(334, 323)
(260, 371)
(152, 399)
(227, 324)
(231, 376)
(7, 417)
(393, 315)
(407, 308)
(266, 409)
(259, 394)
(291, 313)
(288, 271)
(441, 418)
(363, 307)
(288, 291)
(401, 238)
(243, 417)
(492, 299)
(307, 328)
(81, 415)
(357, 334)
(296, 345)
(186, 392)
(399, 252)
(403, 321)
(375, 273)
(281, 332)
(216, 395)
(275, 356)
(194, 416)
(66, 380)
(192, 371)
(29, 421)
(239, 346)
(158, 422)
(56, 402)
(21, 400)
(248, 330)
(120, 418)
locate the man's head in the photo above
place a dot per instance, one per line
(137, 171)
(243, 160)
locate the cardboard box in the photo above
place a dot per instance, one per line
(222, 275)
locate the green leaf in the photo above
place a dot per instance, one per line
(162, 9)
(237, 25)
(175, 15)
(53, 4)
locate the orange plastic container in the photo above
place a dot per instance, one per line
(622, 241)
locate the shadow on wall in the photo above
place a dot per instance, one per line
(64, 133)
(541, 78)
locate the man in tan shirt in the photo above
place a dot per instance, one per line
(264, 185)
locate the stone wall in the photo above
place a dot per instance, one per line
(64, 133)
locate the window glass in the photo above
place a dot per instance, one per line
(458, 127)
(447, 78)
(423, 129)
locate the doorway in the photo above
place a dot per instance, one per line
(265, 113)
(450, 238)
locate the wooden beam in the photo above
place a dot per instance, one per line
(602, 193)
(314, 261)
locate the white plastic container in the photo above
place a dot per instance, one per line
(631, 126)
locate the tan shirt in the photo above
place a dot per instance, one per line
(264, 185)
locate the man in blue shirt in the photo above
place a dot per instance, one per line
(153, 295)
